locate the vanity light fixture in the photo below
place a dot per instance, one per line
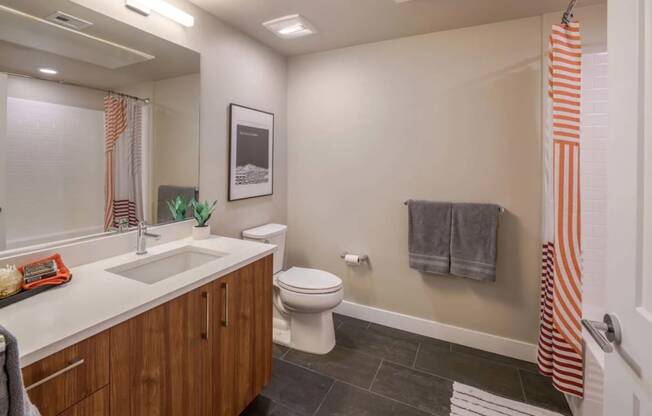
(165, 9)
(290, 27)
(48, 71)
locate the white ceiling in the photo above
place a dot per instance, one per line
(344, 23)
(86, 61)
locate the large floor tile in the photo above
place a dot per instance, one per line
(422, 390)
(470, 369)
(341, 363)
(297, 388)
(539, 391)
(340, 319)
(524, 365)
(346, 400)
(262, 406)
(409, 336)
(278, 351)
(377, 342)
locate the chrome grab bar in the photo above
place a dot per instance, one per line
(605, 333)
(55, 375)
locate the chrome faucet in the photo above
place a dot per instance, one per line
(141, 240)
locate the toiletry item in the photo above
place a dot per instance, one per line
(352, 259)
(11, 281)
(62, 274)
(40, 270)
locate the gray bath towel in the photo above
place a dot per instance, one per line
(429, 236)
(474, 235)
(168, 193)
(13, 397)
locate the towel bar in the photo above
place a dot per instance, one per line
(501, 209)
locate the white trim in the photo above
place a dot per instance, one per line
(468, 337)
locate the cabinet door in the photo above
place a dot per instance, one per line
(243, 345)
(224, 344)
(95, 405)
(57, 382)
(160, 360)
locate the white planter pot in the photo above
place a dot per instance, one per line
(201, 233)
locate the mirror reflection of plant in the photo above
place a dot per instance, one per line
(178, 208)
(202, 211)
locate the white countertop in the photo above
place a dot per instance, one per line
(96, 300)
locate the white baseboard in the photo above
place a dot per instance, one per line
(468, 337)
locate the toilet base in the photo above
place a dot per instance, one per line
(308, 332)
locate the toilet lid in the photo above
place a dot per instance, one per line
(302, 280)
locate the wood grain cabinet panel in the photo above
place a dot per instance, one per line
(160, 360)
(242, 347)
(67, 377)
(95, 405)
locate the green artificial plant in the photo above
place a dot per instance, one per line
(202, 211)
(178, 208)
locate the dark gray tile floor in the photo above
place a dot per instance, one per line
(377, 371)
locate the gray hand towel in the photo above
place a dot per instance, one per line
(429, 236)
(13, 397)
(474, 235)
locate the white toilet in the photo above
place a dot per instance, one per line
(304, 299)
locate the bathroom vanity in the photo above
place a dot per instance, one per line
(115, 342)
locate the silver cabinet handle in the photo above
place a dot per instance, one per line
(55, 375)
(605, 333)
(225, 316)
(206, 331)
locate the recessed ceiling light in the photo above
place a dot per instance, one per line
(165, 9)
(48, 71)
(290, 27)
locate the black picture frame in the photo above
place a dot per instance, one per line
(244, 180)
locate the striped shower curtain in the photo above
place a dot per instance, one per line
(560, 341)
(123, 167)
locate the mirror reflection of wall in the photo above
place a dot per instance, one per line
(101, 142)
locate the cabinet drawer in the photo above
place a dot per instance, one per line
(95, 405)
(69, 376)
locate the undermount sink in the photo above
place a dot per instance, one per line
(159, 267)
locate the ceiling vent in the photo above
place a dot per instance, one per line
(69, 21)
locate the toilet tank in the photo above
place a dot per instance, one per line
(271, 234)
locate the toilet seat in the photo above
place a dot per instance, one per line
(309, 281)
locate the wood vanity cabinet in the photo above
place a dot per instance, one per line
(242, 345)
(208, 352)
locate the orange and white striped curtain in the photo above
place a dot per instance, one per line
(123, 168)
(560, 341)
(115, 122)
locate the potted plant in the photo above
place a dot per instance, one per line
(202, 212)
(178, 208)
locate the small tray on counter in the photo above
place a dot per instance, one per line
(25, 294)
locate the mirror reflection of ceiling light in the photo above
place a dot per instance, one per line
(290, 27)
(48, 71)
(165, 9)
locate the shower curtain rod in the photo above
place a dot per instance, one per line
(568, 14)
(73, 84)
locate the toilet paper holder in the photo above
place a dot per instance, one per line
(363, 258)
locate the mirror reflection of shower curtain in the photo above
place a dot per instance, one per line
(124, 181)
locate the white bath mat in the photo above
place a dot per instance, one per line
(469, 401)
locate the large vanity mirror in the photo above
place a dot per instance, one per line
(101, 128)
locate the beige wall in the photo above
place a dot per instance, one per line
(453, 116)
(234, 68)
(3, 157)
(449, 116)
